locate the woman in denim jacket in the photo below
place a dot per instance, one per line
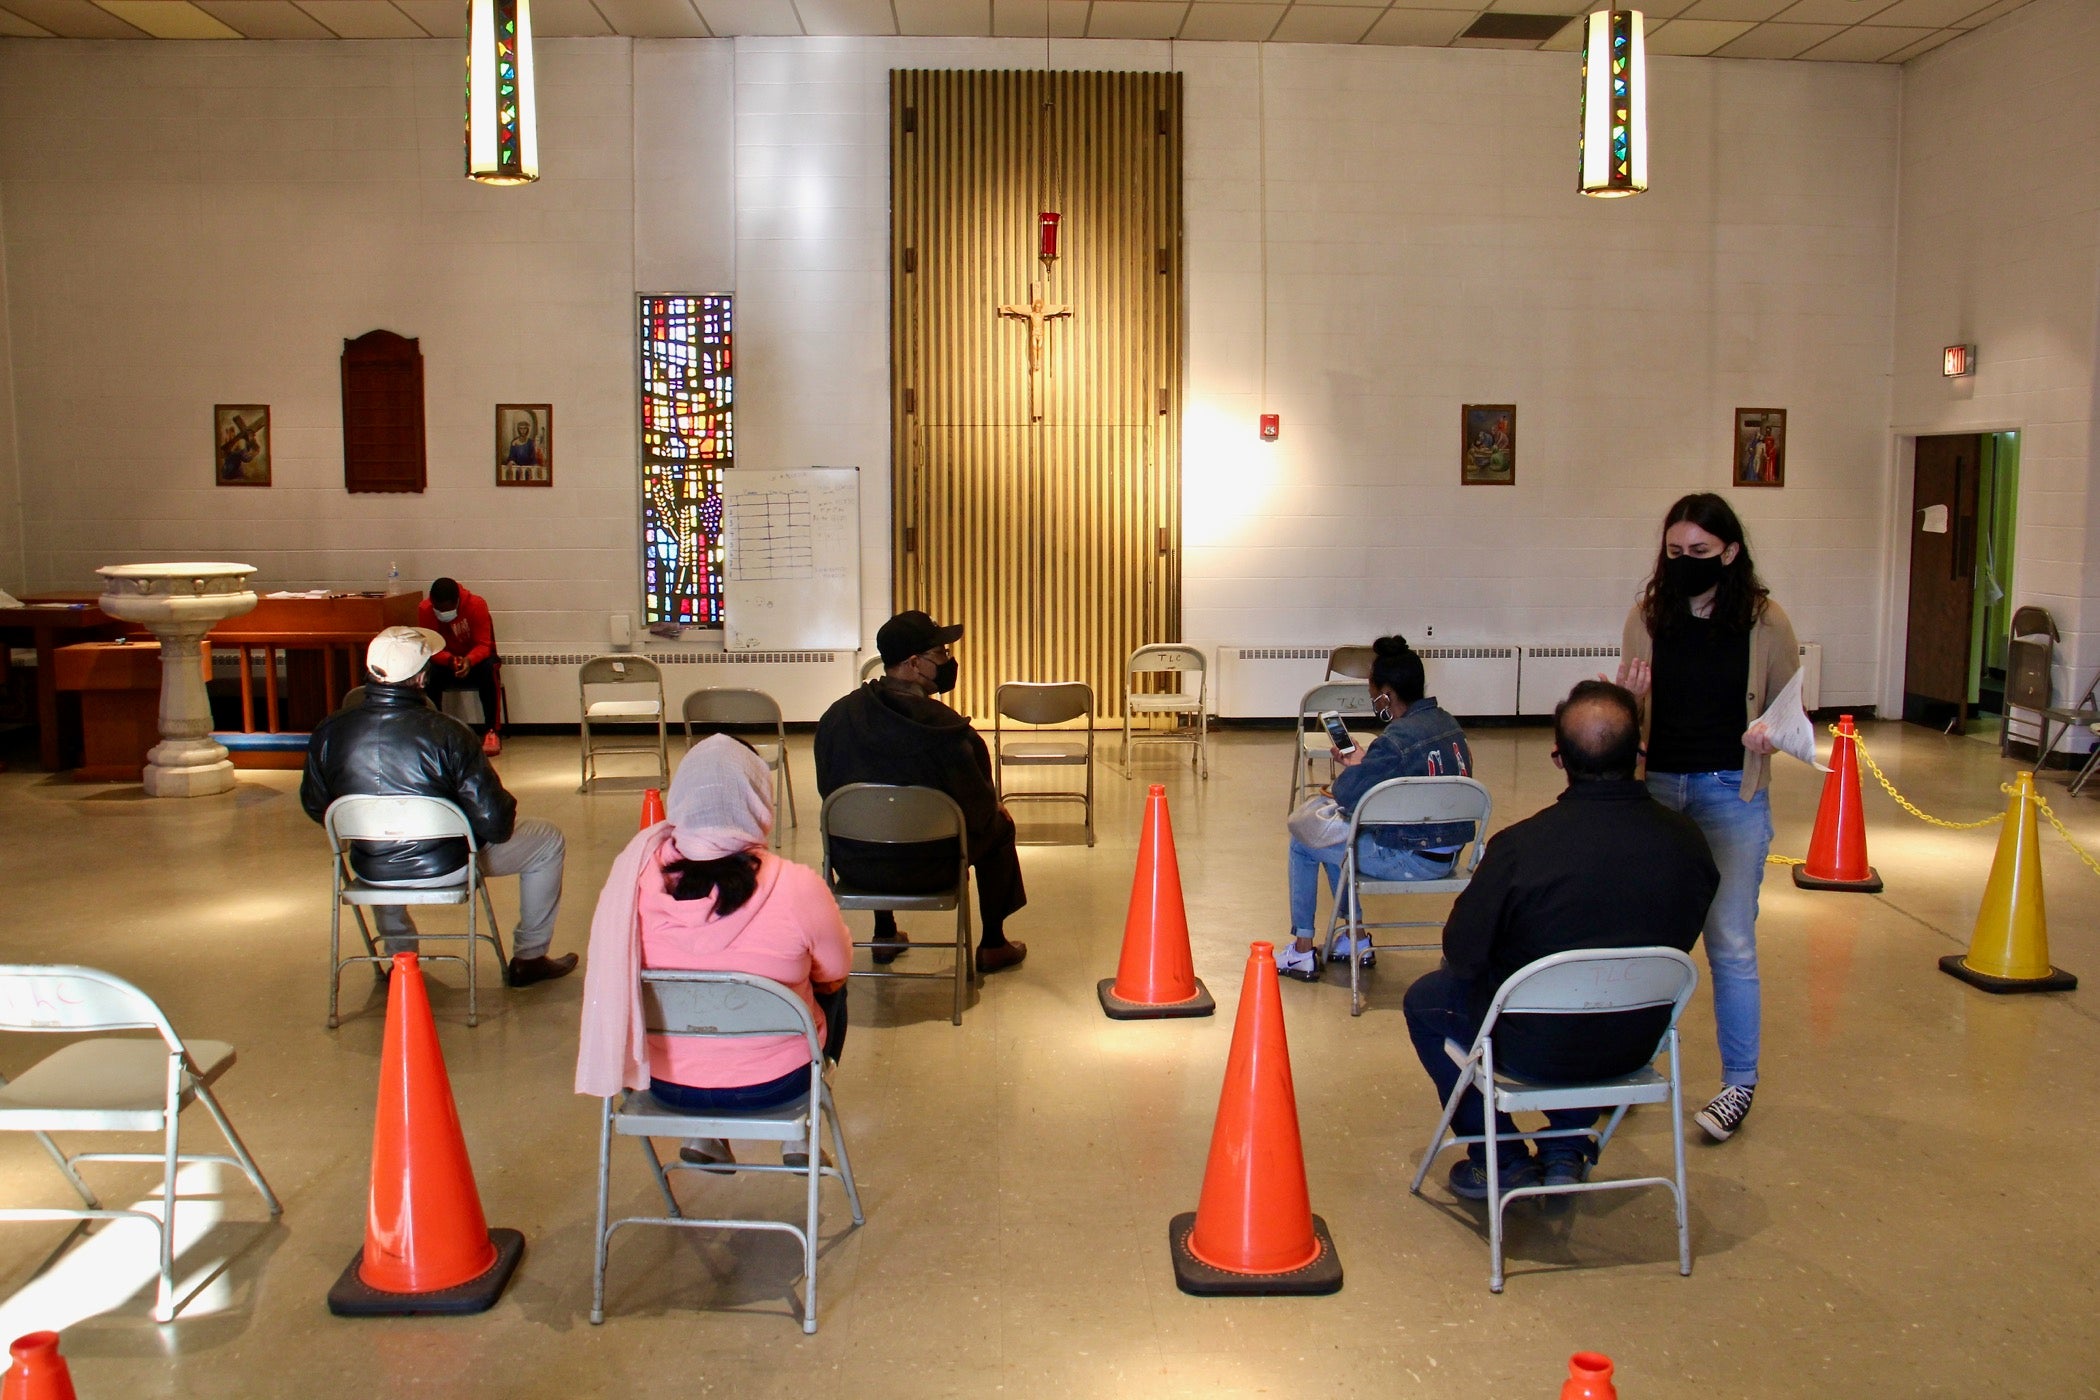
(1420, 741)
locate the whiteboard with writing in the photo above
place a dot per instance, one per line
(791, 559)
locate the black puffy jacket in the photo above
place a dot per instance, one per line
(395, 744)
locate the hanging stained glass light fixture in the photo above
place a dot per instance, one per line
(1614, 105)
(503, 145)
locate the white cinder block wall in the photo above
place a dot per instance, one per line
(2000, 248)
(1424, 248)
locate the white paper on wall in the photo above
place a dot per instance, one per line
(1788, 726)
(1935, 521)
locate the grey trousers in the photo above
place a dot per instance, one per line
(533, 854)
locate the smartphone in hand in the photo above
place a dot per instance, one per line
(1344, 741)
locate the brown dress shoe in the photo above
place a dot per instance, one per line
(887, 952)
(526, 971)
(1000, 956)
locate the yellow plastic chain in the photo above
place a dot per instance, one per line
(1911, 807)
(2043, 803)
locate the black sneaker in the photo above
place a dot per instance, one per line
(1563, 1169)
(1726, 1113)
(1469, 1179)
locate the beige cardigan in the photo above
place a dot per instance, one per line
(1774, 657)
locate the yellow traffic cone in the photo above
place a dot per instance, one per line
(2010, 949)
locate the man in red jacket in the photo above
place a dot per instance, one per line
(468, 661)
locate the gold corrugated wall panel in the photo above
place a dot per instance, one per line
(1054, 539)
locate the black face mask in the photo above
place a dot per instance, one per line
(944, 676)
(1692, 577)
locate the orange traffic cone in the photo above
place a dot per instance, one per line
(652, 808)
(38, 1372)
(1156, 976)
(1253, 1231)
(428, 1249)
(1589, 1378)
(1837, 852)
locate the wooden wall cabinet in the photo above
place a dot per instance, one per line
(383, 413)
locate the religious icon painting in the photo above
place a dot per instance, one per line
(1760, 447)
(240, 444)
(1487, 449)
(524, 444)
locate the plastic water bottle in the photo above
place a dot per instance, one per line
(393, 579)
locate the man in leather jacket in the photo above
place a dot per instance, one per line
(396, 744)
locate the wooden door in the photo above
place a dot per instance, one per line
(1036, 488)
(1942, 573)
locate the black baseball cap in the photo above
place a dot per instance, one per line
(909, 633)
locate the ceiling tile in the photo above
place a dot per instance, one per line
(1991, 12)
(1569, 40)
(1134, 19)
(1930, 14)
(1926, 45)
(1428, 28)
(1320, 24)
(265, 19)
(653, 19)
(1039, 19)
(1545, 7)
(13, 26)
(365, 19)
(1865, 43)
(169, 19)
(445, 19)
(1832, 11)
(567, 19)
(1733, 9)
(73, 19)
(727, 17)
(1375, 6)
(847, 17)
(1693, 37)
(1778, 41)
(967, 17)
(1244, 24)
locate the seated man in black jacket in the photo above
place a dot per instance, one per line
(396, 744)
(892, 730)
(1606, 866)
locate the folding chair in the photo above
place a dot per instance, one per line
(880, 814)
(1404, 802)
(1351, 700)
(1163, 659)
(725, 1005)
(2092, 761)
(2029, 657)
(722, 707)
(1585, 983)
(630, 688)
(383, 820)
(1354, 662)
(871, 668)
(113, 1084)
(1032, 703)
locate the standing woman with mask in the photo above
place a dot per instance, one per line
(1706, 648)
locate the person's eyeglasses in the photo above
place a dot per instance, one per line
(939, 653)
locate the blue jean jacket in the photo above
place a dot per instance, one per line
(1423, 743)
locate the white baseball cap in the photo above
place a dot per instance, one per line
(398, 654)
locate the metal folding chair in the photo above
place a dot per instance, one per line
(1353, 662)
(871, 668)
(722, 707)
(1350, 699)
(1033, 703)
(627, 688)
(879, 814)
(113, 1084)
(1399, 802)
(1180, 662)
(1585, 983)
(725, 1005)
(384, 820)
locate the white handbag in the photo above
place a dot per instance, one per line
(1318, 821)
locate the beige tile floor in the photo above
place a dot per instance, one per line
(1907, 1213)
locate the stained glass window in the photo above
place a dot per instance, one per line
(687, 444)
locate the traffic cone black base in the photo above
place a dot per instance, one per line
(1118, 1009)
(1806, 881)
(353, 1297)
(1957, 965)
(1192, 1275)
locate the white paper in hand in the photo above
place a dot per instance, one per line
(1788, 726)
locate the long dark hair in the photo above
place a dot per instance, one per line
(1739, 600)
(730, 879)
(1395, 667)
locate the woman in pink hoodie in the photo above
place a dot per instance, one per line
(702, 892)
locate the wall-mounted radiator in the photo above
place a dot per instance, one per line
(540, 687)
(1269, 682)
(1551, 670)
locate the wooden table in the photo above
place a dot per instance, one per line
(47, 621)
(119, 688)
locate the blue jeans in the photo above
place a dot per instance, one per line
(1439, 1007)
(1376, 862)
(1739, 834)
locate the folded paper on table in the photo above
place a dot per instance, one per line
(8, 600)
(1787, 724)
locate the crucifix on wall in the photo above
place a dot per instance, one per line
(1038, 314)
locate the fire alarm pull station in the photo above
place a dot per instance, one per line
(1271, 427)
